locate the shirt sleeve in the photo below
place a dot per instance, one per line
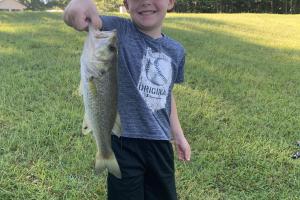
(180, 73)
(110, 23)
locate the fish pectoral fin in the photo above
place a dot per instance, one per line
(110, 163)
(92, 86)
(85, 126)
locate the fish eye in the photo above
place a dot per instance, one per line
(111, 48)
(102, 71)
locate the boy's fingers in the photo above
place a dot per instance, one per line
(179, 152)
(187, 155)
(95, 21)
(79, 13)
(77, 21)
(180, 157)
(67, 18)
(182, 154)
(189, 152)
(80, 23)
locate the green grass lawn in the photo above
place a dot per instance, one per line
(239, 107)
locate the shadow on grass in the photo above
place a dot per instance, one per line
(29, 17)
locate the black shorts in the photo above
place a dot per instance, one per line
(147, 168)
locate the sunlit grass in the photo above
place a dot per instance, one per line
(239, 107)
(255, 28)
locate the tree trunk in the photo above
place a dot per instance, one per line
(272, 6)
(291, 7)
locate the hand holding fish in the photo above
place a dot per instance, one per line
(79, 13)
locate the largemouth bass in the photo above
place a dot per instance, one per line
(99, 90)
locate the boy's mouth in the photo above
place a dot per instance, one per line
(147, 12)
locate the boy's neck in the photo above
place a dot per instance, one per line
(155, 33)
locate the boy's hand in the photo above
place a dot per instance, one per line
(183, 148)
(79, 13)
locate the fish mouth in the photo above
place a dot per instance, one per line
(105, 34)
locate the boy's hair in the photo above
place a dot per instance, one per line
(125, 4)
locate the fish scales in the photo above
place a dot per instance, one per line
(103, 106)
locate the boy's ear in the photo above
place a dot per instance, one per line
(171, 5)
(125, 4)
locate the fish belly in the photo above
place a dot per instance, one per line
(100, 101)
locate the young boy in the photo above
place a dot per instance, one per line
(149, 64)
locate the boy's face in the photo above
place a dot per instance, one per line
(148, 15)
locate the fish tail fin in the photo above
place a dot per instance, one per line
(111, 164)
(99, 164)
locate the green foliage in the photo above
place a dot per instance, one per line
(108, 5)
(33, 4)
(235, 6)
(103, 5)
(190, 6)
(239, 108)
(57, 3)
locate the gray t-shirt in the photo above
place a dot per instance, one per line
(147, 71)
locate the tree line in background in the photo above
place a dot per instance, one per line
(103, 5)
(190, 6)
(237, 6)
(44, 4)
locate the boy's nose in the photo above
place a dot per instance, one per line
(146, 2)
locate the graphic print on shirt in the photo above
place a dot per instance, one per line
(155, 79)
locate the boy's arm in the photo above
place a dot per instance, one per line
(79, 13)
(182, 145)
